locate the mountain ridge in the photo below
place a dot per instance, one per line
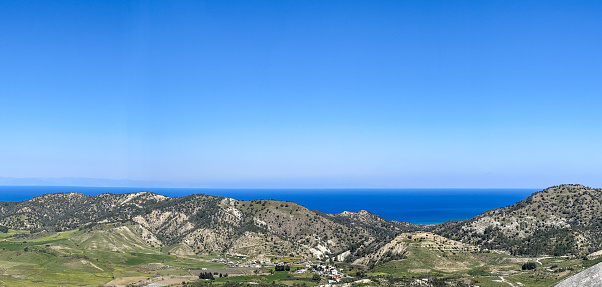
(205, 223)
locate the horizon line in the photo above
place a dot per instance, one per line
(167, 187)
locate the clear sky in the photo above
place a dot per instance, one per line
(303, 93)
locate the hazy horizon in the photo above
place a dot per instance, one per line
(126, 183)
(386, 94)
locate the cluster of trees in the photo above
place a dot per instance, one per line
(3, 229)
(282, 268)
(209, 275)
(529, 266)
(206, 275)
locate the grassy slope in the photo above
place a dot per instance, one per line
(84, 257)
(484, 268)
(66, 256)
(422, 262)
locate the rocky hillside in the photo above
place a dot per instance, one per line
(382, 231)
(205, 224)
(397, 248)
(559, 220)
(373, 223)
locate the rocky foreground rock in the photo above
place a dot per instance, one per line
(590, 277)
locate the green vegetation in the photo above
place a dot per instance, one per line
(47, 259)
(58, 257)
(482, 269)
(560, 220)
(529, 266)
(143, 237)
(12, 232)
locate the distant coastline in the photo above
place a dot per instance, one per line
(415, 205)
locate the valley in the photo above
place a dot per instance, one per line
(143, 238)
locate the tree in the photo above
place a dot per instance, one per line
(206, 275)
(3, 229)
(316, 278)
(529, 266)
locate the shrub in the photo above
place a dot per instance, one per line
(529, 266)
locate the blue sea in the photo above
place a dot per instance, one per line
(415, 205)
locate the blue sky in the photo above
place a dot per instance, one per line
(303, 93)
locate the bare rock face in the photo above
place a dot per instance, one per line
(590, 277)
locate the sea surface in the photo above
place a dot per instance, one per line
(415, 205)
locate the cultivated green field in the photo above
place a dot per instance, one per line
(90, 257)
(114, 254)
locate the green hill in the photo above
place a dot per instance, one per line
(560, 220)
(127, 238)
(205, 224)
